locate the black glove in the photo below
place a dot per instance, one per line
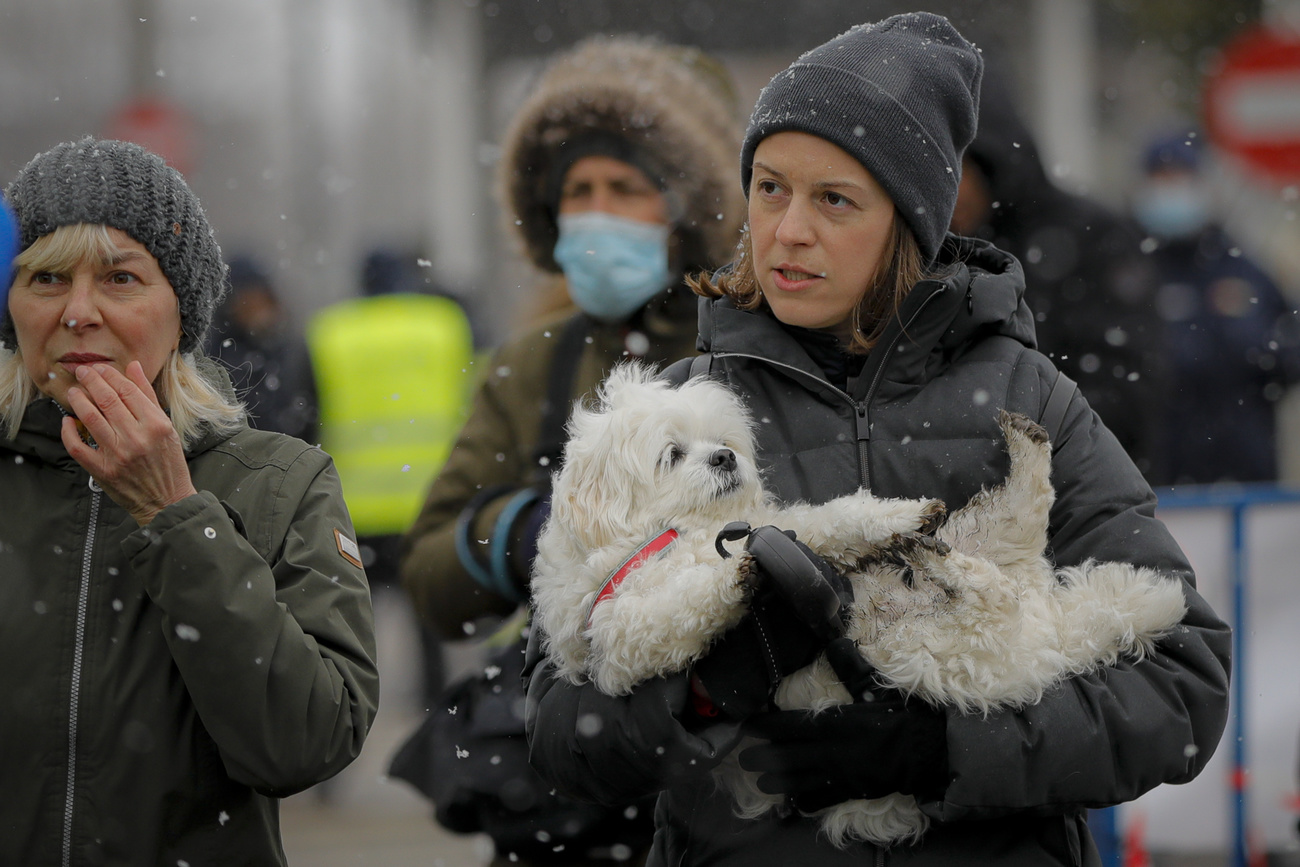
(864, 750)
(794, 612)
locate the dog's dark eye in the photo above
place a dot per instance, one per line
(675, 455)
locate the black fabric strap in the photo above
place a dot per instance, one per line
(559, 394)
(1058, 401)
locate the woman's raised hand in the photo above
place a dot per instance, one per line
(137, 457)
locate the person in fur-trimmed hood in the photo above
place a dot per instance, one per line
(618, 128)
(616, 178)
(876, 351)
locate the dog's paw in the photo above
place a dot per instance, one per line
(933, 515)
(1014, 422)
(913, 554)
(909, 549)
(747, 574)
(916, 544)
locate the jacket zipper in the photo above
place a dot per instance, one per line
(860, 408)
(74, 698)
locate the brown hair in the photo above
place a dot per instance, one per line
(901, 267)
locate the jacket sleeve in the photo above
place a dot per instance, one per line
(492, 454)
(613, 750)
(1108, 737)
(277, 653)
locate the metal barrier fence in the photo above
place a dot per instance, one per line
(1237, 503)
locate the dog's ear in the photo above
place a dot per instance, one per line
(625, 380)
(580, 498)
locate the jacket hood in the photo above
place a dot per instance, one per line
(981, 294)
(673, 104)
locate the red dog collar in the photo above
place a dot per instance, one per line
(647, 550)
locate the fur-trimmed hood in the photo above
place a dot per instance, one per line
(673, 103)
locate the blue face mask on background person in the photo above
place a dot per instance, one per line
(612, 265)
(1172, 209)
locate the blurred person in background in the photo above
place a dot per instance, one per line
(1233, 339)
(269, 362)
(1086, 279)
(186, 626)
(616, 174)
(394, 370)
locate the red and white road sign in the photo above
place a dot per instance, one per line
(1252, 102)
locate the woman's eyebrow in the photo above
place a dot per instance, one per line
(768, 169)
(128, 256)
(819, 185)
(826, 185)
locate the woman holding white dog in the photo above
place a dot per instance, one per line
(875, 351)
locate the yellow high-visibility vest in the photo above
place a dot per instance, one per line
(394, 374)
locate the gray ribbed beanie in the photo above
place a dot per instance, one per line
(122, 185)
(900, 95)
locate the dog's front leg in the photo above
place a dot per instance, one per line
(849, 528)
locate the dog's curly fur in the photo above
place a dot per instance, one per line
(978, 623)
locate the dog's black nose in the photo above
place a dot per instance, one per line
(724, 459)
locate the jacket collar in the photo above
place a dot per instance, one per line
(38, 435)
(982, 293)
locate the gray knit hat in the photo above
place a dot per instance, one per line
(124, 186)
(900, 95)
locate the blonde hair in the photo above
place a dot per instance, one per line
(901, 267)
(192, 399)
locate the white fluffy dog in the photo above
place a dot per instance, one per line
(628, 583)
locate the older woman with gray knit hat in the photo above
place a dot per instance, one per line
(186, 623)
(878, 352)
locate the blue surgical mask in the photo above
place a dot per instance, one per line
(613, 265)
(1172, 209)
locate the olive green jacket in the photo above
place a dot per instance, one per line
(494, 452)
(165, 685)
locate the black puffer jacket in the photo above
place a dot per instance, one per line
(921, 420)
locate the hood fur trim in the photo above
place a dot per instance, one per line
(673, 102)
